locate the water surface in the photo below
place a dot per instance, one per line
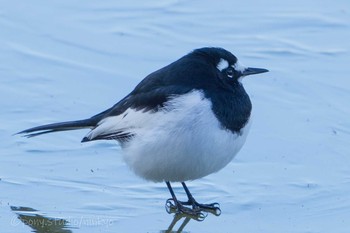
(64, 60)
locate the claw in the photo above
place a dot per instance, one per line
(217, 211)
(170, 206)
(201, 216)
(215, 205)
(212, 208)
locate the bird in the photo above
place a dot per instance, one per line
(180, 123)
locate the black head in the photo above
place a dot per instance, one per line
(226, 64)
(222, 74)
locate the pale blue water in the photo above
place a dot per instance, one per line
(64, 60)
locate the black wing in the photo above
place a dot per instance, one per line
(150, 94)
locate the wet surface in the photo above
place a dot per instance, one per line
(66, 60)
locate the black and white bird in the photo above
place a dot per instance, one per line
(182, 122)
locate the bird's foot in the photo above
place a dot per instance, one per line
(180, 208)
(213, 208)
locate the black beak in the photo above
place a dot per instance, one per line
(250, 71)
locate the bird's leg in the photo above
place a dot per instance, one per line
(172, 205)
(213, 208)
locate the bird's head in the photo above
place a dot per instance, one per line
(227, 64)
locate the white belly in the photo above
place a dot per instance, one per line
(185, 142)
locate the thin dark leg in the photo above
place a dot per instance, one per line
(213, 208)
(189, 195)
(171, 191)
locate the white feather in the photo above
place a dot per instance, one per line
(239, 67)
(223, 64)
(184, 141)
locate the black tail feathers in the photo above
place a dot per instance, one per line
(56, 127)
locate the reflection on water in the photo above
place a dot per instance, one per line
(197, 216)
(176, 219)
(43, 224)
(40, 223)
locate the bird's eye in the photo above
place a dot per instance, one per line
(230, 72)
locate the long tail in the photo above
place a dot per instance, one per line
(62, 126)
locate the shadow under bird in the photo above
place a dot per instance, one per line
(182, 122)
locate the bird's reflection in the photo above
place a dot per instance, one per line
(176, 219)
(183, 219)
(43, 224)
(40, 223)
